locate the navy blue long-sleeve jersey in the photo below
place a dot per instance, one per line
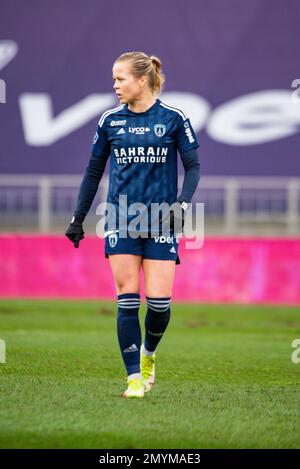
(142, 148)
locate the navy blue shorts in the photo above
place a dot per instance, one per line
(159, 247)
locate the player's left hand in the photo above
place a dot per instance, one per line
(75, 232)
(175, 220)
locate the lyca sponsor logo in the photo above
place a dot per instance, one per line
(138, 130)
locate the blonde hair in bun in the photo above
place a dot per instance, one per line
(142, 64)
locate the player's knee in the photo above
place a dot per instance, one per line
(158, 291)
(128, 285)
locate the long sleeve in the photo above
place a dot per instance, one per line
(89, 185)
(191, 175)
(187, 143)
(94, 171)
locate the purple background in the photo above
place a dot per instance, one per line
(216, 49)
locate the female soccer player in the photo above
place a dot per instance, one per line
(141, 137)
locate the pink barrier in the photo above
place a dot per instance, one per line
(224, 270)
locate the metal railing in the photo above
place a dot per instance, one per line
(233, 205)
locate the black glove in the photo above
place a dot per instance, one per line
(175, 219)
(75, 232)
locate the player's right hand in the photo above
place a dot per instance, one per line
(75, 232)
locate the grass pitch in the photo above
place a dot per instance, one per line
(225, 379)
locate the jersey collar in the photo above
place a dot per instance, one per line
(157, 102)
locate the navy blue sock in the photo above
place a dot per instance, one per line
(129, 331)
(156, 321)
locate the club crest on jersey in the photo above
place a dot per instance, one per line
(160, 130)
(113, 239)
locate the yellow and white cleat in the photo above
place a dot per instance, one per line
(148, 370)
(135, 388)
